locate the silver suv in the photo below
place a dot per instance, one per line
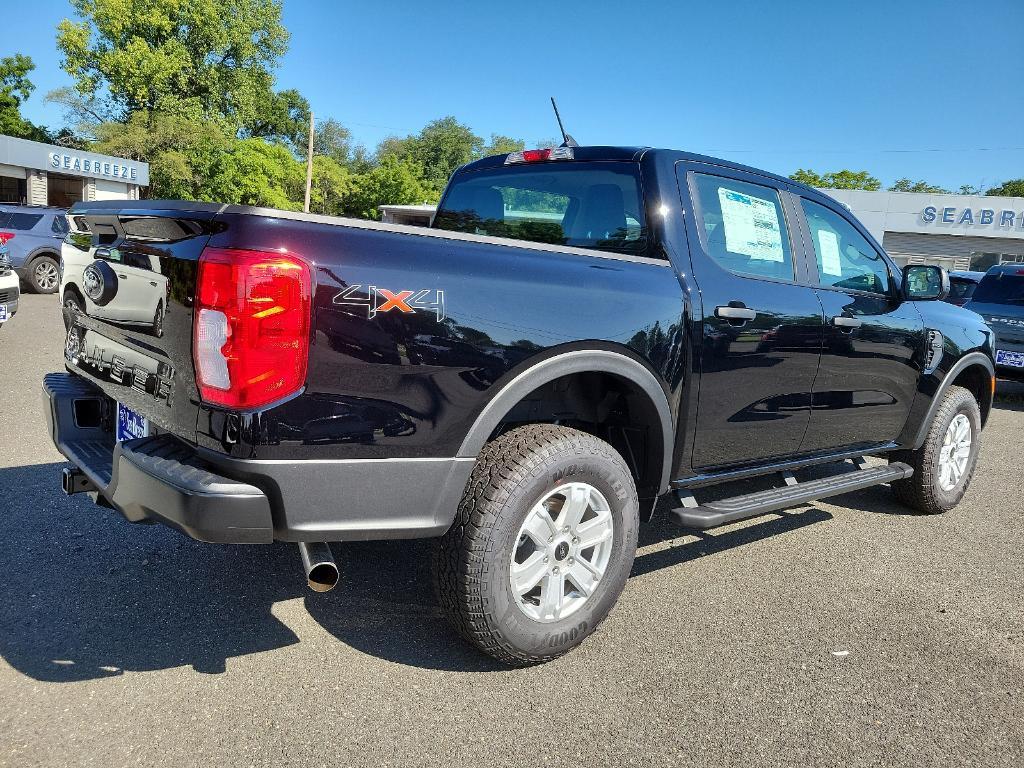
(34, 243)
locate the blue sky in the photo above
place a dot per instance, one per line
(931, 90)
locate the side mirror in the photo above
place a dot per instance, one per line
(925, 283)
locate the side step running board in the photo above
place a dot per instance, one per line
(716, 513)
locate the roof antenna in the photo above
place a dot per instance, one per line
(568, 141)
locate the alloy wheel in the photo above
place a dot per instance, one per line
(562, 552)
(955, 452)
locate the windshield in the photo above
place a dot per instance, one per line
(588, 205)
(1001, 288)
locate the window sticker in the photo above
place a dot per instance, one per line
(751, 226)
(828, 249)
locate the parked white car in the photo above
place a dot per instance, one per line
(10, 291)
(124, 287)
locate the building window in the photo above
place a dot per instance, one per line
(983, 262)
(64, 191)
(12, 190)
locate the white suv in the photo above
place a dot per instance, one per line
(122, 287)
(9, 290)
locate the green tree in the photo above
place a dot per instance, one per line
(808, 177)
(283, 115)
(441, 147)
(844, 179)
(332, 184)
(906, 185)
(1012, 188)
(393, 181)
(198, 58)
(968, 189)
(257, 172)
(15, 88)
(332, 139)
(183, 155)
(502, 145)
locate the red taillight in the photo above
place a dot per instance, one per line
(5, 236)
(251, 327)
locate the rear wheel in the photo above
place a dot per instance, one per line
(158, 320)
(73, 305)
(542, 544)
(944, 465)
(43, 275)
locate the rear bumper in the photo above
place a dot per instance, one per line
(214, 498)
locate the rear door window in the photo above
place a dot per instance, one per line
(744, 227)
(24, 221)
(584, 204)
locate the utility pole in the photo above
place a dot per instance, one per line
(309, 163)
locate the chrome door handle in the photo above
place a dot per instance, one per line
(735, 313)
(842, 321)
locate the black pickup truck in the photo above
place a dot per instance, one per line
(581, 331)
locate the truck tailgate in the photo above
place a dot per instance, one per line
(128, 281)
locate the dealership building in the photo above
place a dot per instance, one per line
(32, 173)
(958, 232)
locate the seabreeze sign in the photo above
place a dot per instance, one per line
(101, 168)
(1005, 218)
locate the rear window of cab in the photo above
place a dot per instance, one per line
(584, 204)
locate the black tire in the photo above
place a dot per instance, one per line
(158, 320)
(42, 274)
(72, 303)
(513, 474)
(923, 491)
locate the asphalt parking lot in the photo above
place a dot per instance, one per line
(848, 633)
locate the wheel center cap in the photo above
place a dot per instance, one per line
(562, 551)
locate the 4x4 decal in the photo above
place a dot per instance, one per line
(379, 300)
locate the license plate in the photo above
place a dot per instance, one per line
(3, 313)
(1011, 359)
(130, 425)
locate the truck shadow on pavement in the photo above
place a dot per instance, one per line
(88, 595)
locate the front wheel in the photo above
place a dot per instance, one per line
(944, 465)
(542, 544)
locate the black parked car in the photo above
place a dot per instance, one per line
(999, 299)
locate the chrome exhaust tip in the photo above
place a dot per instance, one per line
(318, 563)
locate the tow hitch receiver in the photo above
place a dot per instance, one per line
(73, 480)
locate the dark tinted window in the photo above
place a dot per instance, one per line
(1001, 288)
(961, 289)
(589, 205)
(744, 227)
(59, 225)
(23, 221)
(137, 260)
(845, 258)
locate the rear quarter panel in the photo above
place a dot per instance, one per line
(410, 384)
